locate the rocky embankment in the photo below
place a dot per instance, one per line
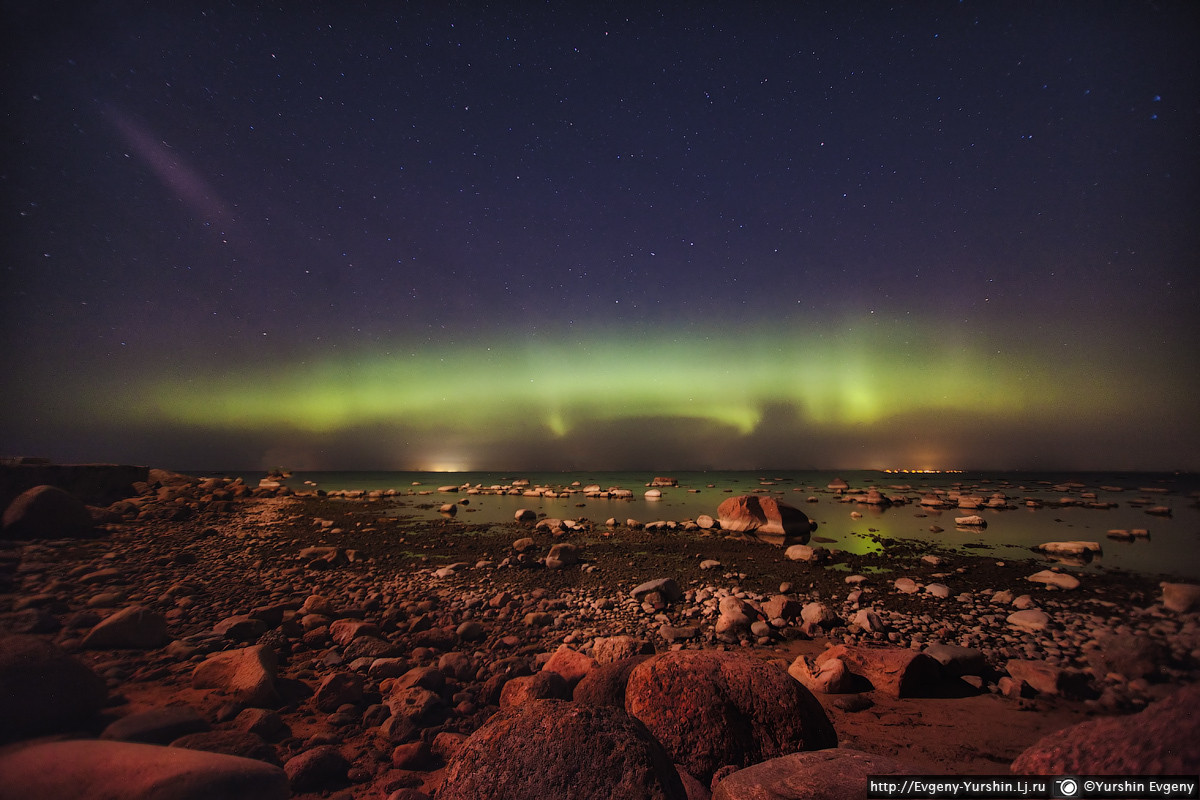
(210, 636)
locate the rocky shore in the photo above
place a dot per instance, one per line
(212, 634)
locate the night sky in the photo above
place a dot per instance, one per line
(726, 236)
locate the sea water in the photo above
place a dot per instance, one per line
(1172, 549)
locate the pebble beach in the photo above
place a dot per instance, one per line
(318, 644)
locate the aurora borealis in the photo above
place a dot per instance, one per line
(443, 236)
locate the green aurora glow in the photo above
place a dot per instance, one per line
(858, 379)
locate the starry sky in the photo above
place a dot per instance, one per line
(594, 236)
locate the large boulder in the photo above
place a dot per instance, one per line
(1181, 597)
(1046, 678)
(230, 743)
(833, 774)
(43, 690)
(617, 648)
(247, 675)
(828, 677)
(317, 768)
(750, 513)
(46, 512)
(958, 661)
(337, 689)
(570, 664)
(712, 709)
(91, 769)
(156, 725)
(1131, 656)
(1163, 739)
(131, 628)
(894, 671)
(604, 685)
(545, 685)
(550, 748)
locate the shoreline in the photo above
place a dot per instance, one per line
(418, 583)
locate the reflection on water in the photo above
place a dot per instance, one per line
(1021, 509)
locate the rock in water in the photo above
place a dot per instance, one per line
(1164, 739)
(550, 748)
(831, 774)
(44, 690)
(102, 770)
(46, 512)
(712, 709)
(763, 515)
(1070, 548)
(1051, 578)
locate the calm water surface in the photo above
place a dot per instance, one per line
(1172, 549)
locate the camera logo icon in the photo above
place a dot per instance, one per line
(1066, 787)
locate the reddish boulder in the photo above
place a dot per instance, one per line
(44, 690)
(712, 709)
(615, 648)
(344, 631)
(820, 775)
(415, 704)
(338, 689)
(570, 664)
(319, 768)
(783, 607)
(230, 743)
(157, 725)
(605, 685)
(1131, 656)
(542, 686)
(46, 512)
(1163, 739)
(247, 675)
(895, 671)
(763, 515)
(550, 748)
(131, 628)
(101, 770)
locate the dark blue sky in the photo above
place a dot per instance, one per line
(217, 190)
